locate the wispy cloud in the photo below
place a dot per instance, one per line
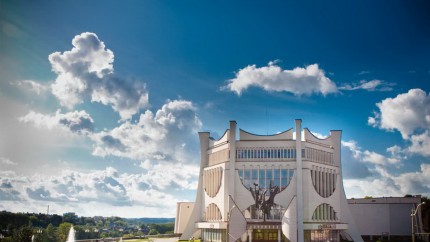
(76, 121)
(373, 85)
(32, 86)
(6, 161)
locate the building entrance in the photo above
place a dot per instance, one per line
(321, 235)
(267, 235)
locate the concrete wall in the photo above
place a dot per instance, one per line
(183, 213)
(375, 216)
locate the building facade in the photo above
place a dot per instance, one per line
(386, 218)
(270, 188)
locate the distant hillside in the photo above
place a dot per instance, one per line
(150, 220)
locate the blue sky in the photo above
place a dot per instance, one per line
(101, 101)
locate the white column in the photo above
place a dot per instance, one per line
(300, 235)
(279, 235)
(232, 169)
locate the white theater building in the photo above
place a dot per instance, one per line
(270, 188)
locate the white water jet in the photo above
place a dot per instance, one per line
(71, 236)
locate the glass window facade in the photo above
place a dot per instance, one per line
(244, 153)
(321, 235)
(214, 235)
(264, 176)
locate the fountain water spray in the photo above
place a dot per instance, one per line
(71, 236)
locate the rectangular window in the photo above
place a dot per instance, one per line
(254, 176)
(269, 178)
(262, 178)
(247, 182)
(241, 175)
(277, 177)
(284, 178)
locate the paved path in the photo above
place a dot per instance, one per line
(164, 239)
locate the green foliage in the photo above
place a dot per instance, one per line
(368, 197)
(53, 227)
(63, 231)
(161, 228)
(153, 232)
(23, 234)
(50, 234)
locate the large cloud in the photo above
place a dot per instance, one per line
(106, 191)
(162, 136)
(370, 156)
(86, 72)
(383, 183)
(408, 113)
(299, 81)
(76, 121)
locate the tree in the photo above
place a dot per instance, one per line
(63, 231)
(425, 214)
(50, 234)
(153, 232)
(23, 234)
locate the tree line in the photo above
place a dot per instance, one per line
(49, 228)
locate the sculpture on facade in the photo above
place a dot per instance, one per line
(261, 203)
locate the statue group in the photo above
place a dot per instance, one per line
(263, 201)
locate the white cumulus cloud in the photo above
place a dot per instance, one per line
(159, 136)
(384, 183)
(96, 192)
(408, 113)
(86, 72)
(299, 81)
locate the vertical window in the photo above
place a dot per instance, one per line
(269, 177)
(247, 178)
(254, 175)
(277, 177)
(284, 178)
(262, 178)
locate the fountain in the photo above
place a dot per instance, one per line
(71, 236)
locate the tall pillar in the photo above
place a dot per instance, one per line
(279, 235)
(250, 235)
(299, 172)
(232, 164)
